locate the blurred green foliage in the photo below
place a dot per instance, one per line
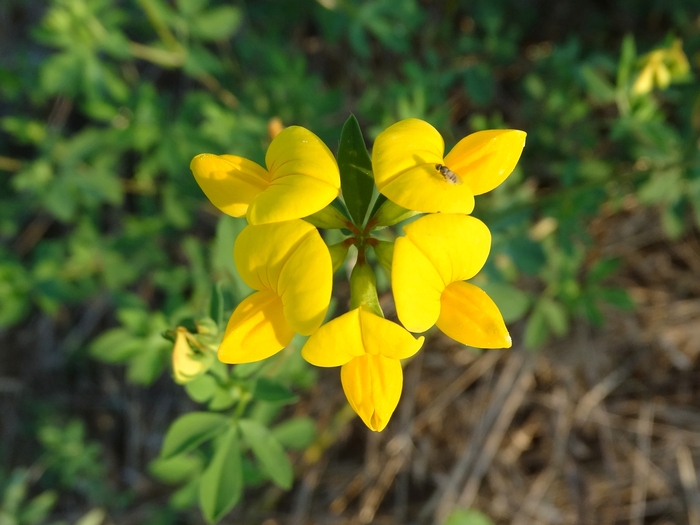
(104, 106)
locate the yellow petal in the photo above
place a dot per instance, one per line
(470, 316)
(291, 197)
(383, 337)
(456, 245)
(403, 146)
(372, 384)
(356, 333)
(261, 251)
(305, 284)
(231, 183)
(185, 365)
(336, 342)
(304, 178)
(484, 159)
(417, 287)
(424, 189)
(257, 329)
(404, 159)
(290, 259)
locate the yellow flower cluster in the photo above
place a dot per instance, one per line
(285, 259)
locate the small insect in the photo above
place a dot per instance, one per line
(449, 175)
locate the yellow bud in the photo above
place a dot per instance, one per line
(187, 364)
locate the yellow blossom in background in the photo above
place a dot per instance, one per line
(187, 364)
(301, 178)
(368, 348)
(410, 167)
(290, 266)
(661, 67)
(430, 264)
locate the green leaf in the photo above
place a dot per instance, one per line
(185, 496)
(617, 297)
(217, 24)
(38, 508)
(190, 431)
(512, 303)
(201, 389)
(555, 314)
(601, 269)
(467, 517)
(297, 433)
(216, 305)
(536, 330)
(628, 55)
(175, 469)
(115, 346)
(598, 86)
(268, 451)
(527, 255)
(267, 389)
(221, 484)
(355, 166)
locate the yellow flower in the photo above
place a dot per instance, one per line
(187, 364)
(430, 264)
(409, 167)
(290, 265)
(368, 348)
(301, 178)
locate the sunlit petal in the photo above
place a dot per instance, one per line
(291, 197)
(470, 316)
(456, 245)
(424, 189)
(417, 287)
(336, 342)
(256, 330)
(231, 183)
(305, 284)
(372, 384)
(261, 251)
(402, 147)
(484, 159)
(383, 337)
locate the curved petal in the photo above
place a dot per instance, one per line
(470, 316)
(456, 245)
(424, 189)
(305, 284)
(186, 365)
(256, 330)
(372, 384)
(303, 174)
(336, 342)
(291, 197)
(417, 287)
(383, 337)
(261, 251)
(231, 183)
(402, 147)
(404, 159)
(484, 159)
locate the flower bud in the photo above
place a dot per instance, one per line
(363, 289)
(188, 364)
